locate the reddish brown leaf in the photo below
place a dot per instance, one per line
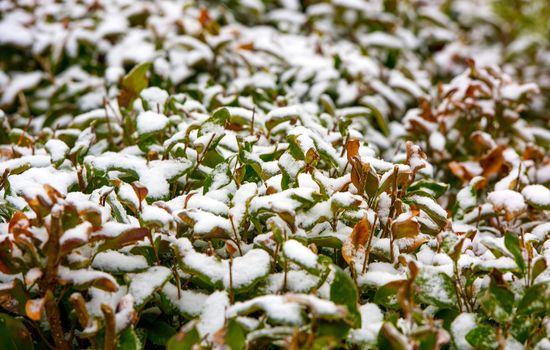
(33, 308)
(360, 233)
(125, 238)
(352, 149)
(493, 161)
(405, 225)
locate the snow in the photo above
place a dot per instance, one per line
(246, 270)
(78, 233)
(57, 149)
(150, 122)
(20, 82)
(144, 284)
(538, 195)
(461, 325)
(276, 307)
(510, 201)
(190, 303)
(153, 214)
(212, 316)
(156, 99)
(114, 261)
(356, 71)
(84, 276)
(371, 322)
(297, 252)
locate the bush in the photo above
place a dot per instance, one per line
(274, 175)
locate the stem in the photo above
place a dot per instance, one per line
(50, 281)
(110, 328)
(231, 292)
(367, 249)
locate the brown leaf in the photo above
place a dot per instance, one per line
(460, 171)
(352, 149)
(140, 189)
(19, 224)
(406, 225)
(356, 241)
(410, 245)
(360, 233)
(493, 161)
(33, 308)
(125, 238)
(52, 193)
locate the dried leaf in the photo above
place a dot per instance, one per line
(33, 308)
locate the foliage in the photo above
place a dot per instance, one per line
(274, 174)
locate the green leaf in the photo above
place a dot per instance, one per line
(511, 242)
(184, 340)
(535, 300)
(497, 302)
(128, 340)
(159, 333)
(14, 335)
(234, 336)
(132, 84)
(539, 266)
(436, 288)
(344, 292)
(387, 294)
(482, 337)
(390, 338)
(430, 207)
(219, 117)
(428, 186)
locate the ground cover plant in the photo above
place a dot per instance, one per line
(347, 174)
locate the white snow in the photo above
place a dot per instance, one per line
(150, 122)
(297, 252)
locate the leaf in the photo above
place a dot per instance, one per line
(539, 266)
(428, 186)
(234, 335)
(123, 239)
(352, 149)
(19, 224)
(14, 335)
(511, 242)
(7, 262)
(132, 84)
(140, 190)
(493, 161)
(430, 207)
(482, 337)
(387, 295)
(497, 302)
(357, 240)
(390, 338)
(128, 340)
(344, 292)
(405, 226)
(184, 339)
(360, 233)
(159, 333)
(535, 300)
(33, 308)
(435, 288)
